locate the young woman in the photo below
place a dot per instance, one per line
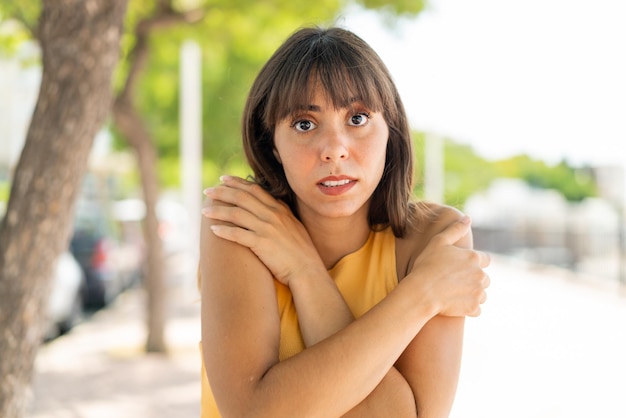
(326, 291)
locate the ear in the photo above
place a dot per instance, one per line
(275, 152)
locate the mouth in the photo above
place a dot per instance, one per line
(336, 183)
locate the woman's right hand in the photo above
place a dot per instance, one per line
(251, 217)
(450, 275)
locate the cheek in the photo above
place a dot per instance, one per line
(378, 153)
(291, 159)
(380, 146)
(380, 169)
(295, 165)
(380, 166)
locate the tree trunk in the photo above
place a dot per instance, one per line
(80, 49)
(130, 124)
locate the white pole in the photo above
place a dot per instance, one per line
(621, 207)
(191, 140)
(433, 169)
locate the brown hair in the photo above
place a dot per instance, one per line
(346, 67)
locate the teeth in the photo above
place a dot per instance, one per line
(335, 183)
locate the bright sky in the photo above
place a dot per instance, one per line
(542, 77)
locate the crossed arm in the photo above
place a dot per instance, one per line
(382, 364)
(423, 379)
(241, 333)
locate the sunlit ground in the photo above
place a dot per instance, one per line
(547, 345)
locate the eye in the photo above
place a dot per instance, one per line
(359, 119)
(303, 125)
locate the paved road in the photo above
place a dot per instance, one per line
(548, 345)
(98, 369)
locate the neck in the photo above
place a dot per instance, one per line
(335, 238)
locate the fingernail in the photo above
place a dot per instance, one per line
(208, 190)
(465, 219)
(225, 177)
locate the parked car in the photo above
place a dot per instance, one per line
(109, 263)
(65, 305)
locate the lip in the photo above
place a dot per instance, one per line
(336, 185)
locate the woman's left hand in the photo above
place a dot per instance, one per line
(253, 218)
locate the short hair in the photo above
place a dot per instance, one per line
(346, 67)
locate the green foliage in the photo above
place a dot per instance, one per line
(465, 172)
(17, 24)
(236, 37)
(26, 12)
(5, 189)
(12, 35)
(394, 9)
(574, 183)
(419, 139)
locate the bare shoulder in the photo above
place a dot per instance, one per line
(230, 268)
(221, 254)
(430, 219)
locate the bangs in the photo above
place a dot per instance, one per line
(343, 72)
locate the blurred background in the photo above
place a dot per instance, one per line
(517, 112)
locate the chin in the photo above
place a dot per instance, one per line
(337, 211)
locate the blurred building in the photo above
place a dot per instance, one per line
(611, 184)
(540, 226)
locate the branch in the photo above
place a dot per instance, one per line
(168, 17)
(164, 5)
(164, 18)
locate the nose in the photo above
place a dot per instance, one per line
(334, 146)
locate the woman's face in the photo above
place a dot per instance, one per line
(333, 158)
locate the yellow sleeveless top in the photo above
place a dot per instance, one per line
(363, 277)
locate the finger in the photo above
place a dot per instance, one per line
(475, 313)
(235, 196)
(230, 181)
(238, 235)
(251, 187)
(455, 231)
(233, 179)
(484, 259)
(483, 298)
(486, 281)
(233, 215)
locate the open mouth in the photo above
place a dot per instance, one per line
(335, 183)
